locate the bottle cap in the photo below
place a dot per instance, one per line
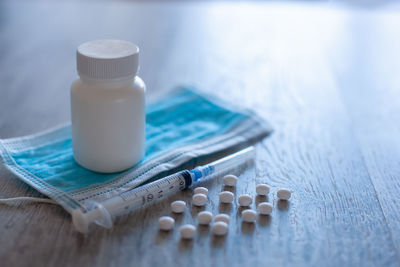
(107, 59)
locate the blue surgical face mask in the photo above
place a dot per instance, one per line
(182, 127)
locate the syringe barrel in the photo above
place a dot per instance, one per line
(147, 194)
(102, 212)
(233, 160)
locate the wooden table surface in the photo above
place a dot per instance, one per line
(327, 78)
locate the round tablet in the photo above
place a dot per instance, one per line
(178, 206)
(166, 223)
(264, 208)
(245, 200)
(226, 197)
(262, 189)
(230, 180)
(187, 231)
(199, 200)
(283, 194)
(219, 228)
(249, 216)
(222, 218)
(201, 190)
(204, 217)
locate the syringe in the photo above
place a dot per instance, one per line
(102, 213)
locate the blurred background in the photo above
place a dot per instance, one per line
(239, 46)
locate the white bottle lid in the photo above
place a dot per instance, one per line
(107, 59)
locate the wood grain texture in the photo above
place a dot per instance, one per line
(332, 99)
(373, 104)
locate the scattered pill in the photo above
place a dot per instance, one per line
(226, 197)
(222, 218)
(166, 223)
(283, 194)
(262, 189)
(249, 216)
(178, 206)
(230, 180)
(199, 200)
(204, 217)
(245, 200)
(187, 231)
(201, 190)
(219, 228)
(264, 208)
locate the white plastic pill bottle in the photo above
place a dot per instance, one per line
(108, 106)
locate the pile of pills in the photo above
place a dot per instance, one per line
(221, 221)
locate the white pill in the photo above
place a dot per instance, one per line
(166, 223)
(249, 216)
(245, 200)
(187, 231)
(226, 197)
(201, 190)
(178, 206)
(262, 189)
(199, 200)
(222, 218)
(219, 228)
(283, 194)
(264, 208)
(204, 217)
(230, 180)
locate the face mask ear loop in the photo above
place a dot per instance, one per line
(30, 199)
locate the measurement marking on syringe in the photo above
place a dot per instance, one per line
(152, 192)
